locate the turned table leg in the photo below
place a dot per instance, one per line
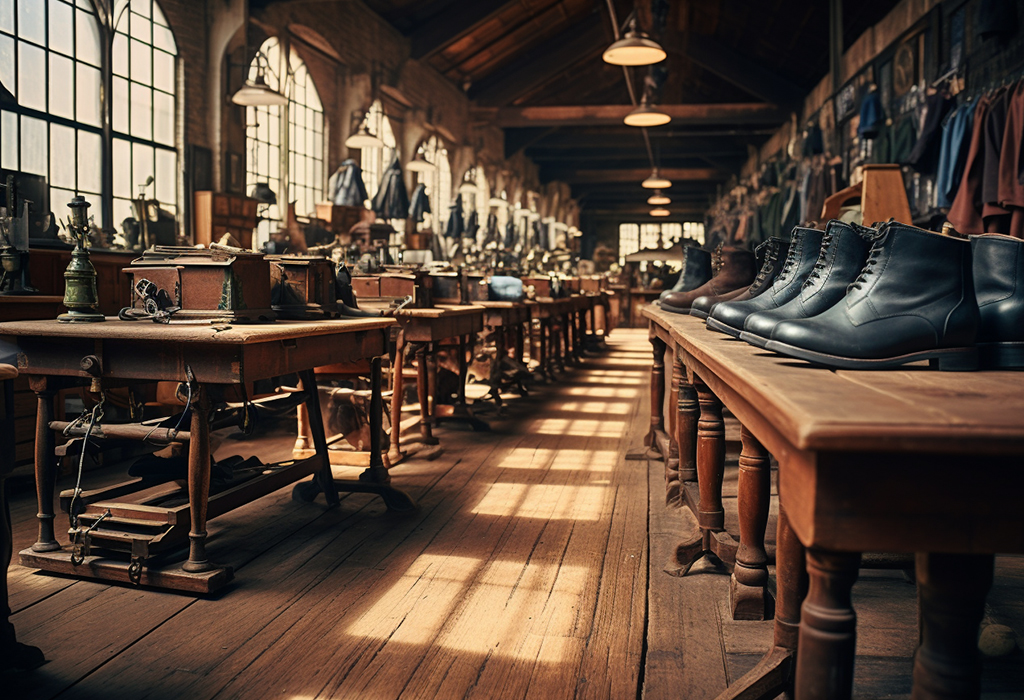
(657, 388)
(397, 392)
(688, 412)
(499, 355)
(46, 463)
(710, 458)
(672, 458)
(828, 627)
(951, 599)
(198, 481)
(423, 394)
(749, 586)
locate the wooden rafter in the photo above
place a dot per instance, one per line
(596, 115)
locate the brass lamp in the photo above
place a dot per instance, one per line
(80, 293)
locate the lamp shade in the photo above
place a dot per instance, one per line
(363, 139)
(655, 182)
(660, 212)
(634, 49)
(658, 199)
(646, 115)
(420, 165)
(256, 93)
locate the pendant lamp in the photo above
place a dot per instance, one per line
(658, 199)
(363, 138)
(646, 115)
(634, 49)
(256, 93)
(420, 165)
(655, 182)
(660, 212)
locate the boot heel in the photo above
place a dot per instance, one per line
(965, 360)
(1002, 355)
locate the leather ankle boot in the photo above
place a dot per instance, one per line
(844, 248)
(696, 270)
(999, 287)
(913, 300)
(770, 254)
(736, 270)
(804, 246)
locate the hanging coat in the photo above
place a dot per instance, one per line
(492, 229)
(346, 185)
(472, 225)
(510, 235)
(455, 225)
(419, 204)
(392, 199)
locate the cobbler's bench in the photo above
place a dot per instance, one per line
(908, 461)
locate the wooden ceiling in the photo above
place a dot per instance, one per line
(735, 70)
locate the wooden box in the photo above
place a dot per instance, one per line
(541, 285)
(218, 213)
(302, 287)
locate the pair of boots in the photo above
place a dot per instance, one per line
(736, 270)
(696, 271)
(862, 298)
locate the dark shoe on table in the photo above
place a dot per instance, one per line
(696, 270)
(770, 254)
(999, 287)
(736, 270)
(913, 300)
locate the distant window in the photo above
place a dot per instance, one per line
(634, 237)
(302, 122)
(50, 114)
(373, 161)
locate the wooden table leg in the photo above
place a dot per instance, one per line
(423, 394)
(46, 463)
(688, 413)
(748, 591)
(951, 599)
(500, 352)
(828, 628)
(198, 481)
(657, 388)
(315, 424)
(672, 446)
(773, 675)
(397, 393)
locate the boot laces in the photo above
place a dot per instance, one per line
(822, 261)
(868, 270)
(791, 259)
(716, 259)
(771, 256)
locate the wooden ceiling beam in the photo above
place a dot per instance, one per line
(598, 115)
(454, 21)
(542, 64)
(748, 75)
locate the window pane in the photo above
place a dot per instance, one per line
(122, 169)
(121, 55)
(87, 38)
(142, 70)
(139, 25)
(166, 176)
(90, 157)
(164, 39)
(163, 118)
(59, 199)
(31, 76)
(88, 95)
(62, 156)
(7, 64)
(141, 7)
(84, 5)
(163, 71)
(7, 16)
(32, 20)
(142, 167)
(8, 140)
(142, 111)
(120, 105)
(33, 146)
(62, 25)
(62, 86)
(122, 211)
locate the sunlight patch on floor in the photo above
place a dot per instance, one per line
(547, 501)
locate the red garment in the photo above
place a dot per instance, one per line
(1011, 190)
(965, 213)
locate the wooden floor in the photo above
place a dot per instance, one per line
(527, 571)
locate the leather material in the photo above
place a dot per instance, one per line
(844, 250)
(915, 293)
(696, 270)
(736, 271)
(771, 253)
(804, 249)
(999, 287)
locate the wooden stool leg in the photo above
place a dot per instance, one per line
(46, 463)
(302, 429)
(198, 481)
(828, 628)
(657, 388)
(951, 596)
(749, 587)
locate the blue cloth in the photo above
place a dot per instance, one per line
(872, 116)
(952, 153)
(505, 289)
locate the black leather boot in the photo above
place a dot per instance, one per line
(844, 248)
(999, 287)
(804, 246)
(696, 270)
(770, 255)
(913, 300)
(736, 270)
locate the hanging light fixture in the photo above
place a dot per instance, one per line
(363, 138)
(419, 164)
(256, 92)
(646, 115)
(658, 199)
(660, 212)
(655, 182)
(634, 49)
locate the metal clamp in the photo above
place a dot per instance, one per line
(135, 570)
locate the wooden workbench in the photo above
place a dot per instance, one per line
(208, 359)
(910, 461)
(508, 320)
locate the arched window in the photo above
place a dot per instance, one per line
(50, 119)
(438, 181)
(295, 130)
(144, 88)
(373, 161)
